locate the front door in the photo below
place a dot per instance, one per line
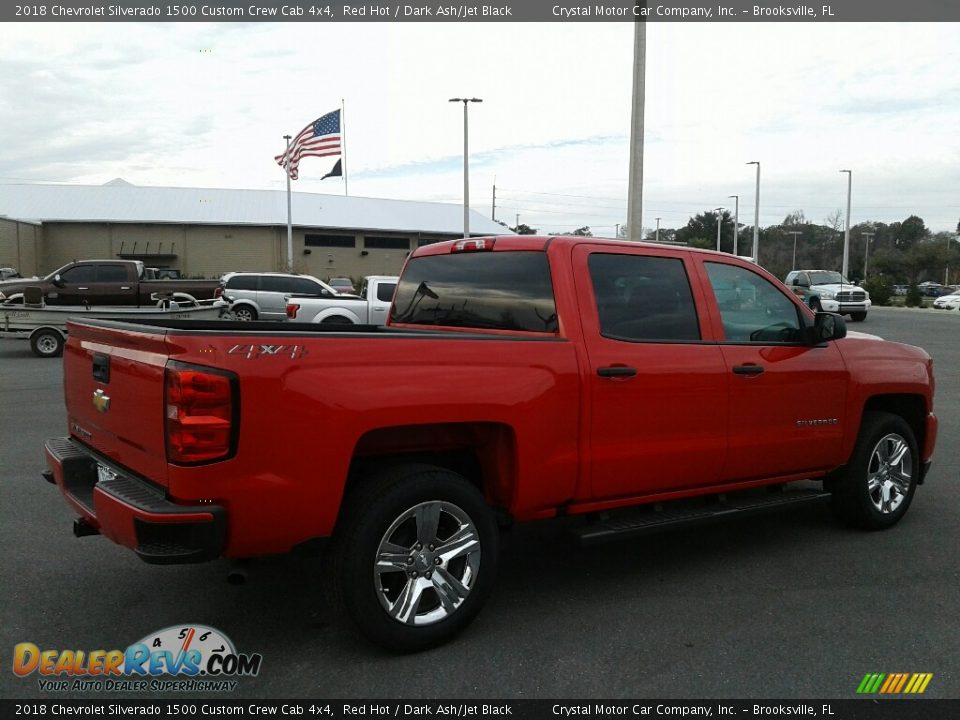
(787, 398)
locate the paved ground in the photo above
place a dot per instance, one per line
(791, 605)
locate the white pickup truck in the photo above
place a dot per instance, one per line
(370, 307)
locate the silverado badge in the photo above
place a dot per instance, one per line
(100, 401)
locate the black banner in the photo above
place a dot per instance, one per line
(482, 11)
(866, 709)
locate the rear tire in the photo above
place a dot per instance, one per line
(876, 487)
(414, 557)
(244, 313)
(47, 343)
(336, 320)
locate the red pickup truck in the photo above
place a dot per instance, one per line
(519, 378)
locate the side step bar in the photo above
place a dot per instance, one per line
(653, 519)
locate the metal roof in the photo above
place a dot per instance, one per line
(120, 202)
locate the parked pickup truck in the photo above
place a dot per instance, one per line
(369, 308)
(829, 290)
(519, 378)
(107, 282)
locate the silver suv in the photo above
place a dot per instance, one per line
(263, 295)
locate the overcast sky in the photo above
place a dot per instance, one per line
(206, 105)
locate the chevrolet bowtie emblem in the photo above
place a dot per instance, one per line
(100, 401)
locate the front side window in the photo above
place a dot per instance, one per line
(497, 290)
(752, 308)
(384, 291)
(79, 274)
(642, 298)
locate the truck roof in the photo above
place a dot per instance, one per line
(541, 242)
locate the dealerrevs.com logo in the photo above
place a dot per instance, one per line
(186, 658)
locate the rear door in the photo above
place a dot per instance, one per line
(658, 391)
(380, 300)
(114, 286)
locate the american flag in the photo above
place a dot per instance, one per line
(318, 139)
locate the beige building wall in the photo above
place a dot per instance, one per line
(19, 245)
(212, 250)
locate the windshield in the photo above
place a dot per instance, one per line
(827, 277)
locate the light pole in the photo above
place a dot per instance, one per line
(719, 212)
(736, 221)
(466, 165)
(793, 265)
(846, 231)
(756, 215)
(657, 236)
(866, 252)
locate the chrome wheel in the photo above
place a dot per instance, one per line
(427, 563)
(889, 473)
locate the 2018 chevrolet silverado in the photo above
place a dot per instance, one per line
(519, 378)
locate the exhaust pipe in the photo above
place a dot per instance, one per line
(82, 528)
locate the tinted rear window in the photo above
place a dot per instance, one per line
(500, 290)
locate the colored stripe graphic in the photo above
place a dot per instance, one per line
(894, 683)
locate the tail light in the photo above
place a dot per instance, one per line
(292, 310)
(201, 413)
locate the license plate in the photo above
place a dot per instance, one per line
(105, 473)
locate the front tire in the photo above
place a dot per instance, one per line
(815, 305)
(858, 316)
(415, 557)
(878, 484)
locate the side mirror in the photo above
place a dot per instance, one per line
(828, 326)
(57, 280)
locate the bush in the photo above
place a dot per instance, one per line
(914, 298)
(880, 290)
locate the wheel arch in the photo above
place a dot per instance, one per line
(337, 312)
(482, 452)
(912, 408)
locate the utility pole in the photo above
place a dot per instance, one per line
(756, 216)
(466, 164)
(846, 230)
(657, 236)
(866, 251)
(793, 265)
(635, 190)
(736, 221)
(719, 212)
(493, 208)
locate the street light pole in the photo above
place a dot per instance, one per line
(756, 215)
(793, 265)
(736, 221)
(719, 212)
(657, 236)
(866, 252)
(846, 231)
(466, 164)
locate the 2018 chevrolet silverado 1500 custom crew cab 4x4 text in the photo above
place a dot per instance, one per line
(518, 378)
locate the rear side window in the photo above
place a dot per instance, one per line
(385, 291)
(242, 282)
(498, 290)
(305, 286)
(274, 283)
(642, 298)
(111, 273)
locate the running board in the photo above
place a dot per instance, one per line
(656, 518)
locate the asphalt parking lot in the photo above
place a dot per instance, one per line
(790, 605)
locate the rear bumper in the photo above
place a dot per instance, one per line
(133, 513)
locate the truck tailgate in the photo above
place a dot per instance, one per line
(114, 388)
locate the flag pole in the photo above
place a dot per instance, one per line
(343, 135)
(289, 213)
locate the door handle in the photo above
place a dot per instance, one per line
(617, 371)
(83, 288)
(124, 287)
(748, 370)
